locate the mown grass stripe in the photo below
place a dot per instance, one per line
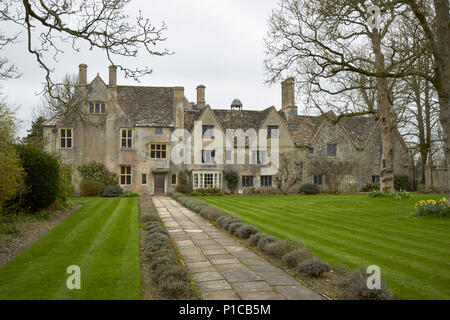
(102, 238)
(357, 230)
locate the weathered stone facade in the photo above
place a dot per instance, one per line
(134, 129)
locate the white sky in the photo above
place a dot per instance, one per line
(216, 43)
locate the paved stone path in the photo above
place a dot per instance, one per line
(222, 267)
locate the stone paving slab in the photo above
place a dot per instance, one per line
(222, 267)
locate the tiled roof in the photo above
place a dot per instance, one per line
(359, 129)
(189, 117)
(147, 106)
(240, 119)
(305, 129)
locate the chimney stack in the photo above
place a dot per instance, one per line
(288, 93)
(288, 100)
(201, 97)
(112, 76)
(82, 74)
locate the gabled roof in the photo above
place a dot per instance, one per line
(147, 106)
(189, 117)
(305, 128)
(359, 129)
(240, 119)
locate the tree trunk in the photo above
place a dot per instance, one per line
(386, 115)
(442, 63)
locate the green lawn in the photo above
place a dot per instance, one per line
(102, 238)
(412, 252)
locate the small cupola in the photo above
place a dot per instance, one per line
(236, 104)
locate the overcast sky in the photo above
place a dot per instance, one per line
(215, 43)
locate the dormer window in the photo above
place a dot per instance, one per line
(97, 107)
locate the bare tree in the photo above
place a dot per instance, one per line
(99, 24)
(340, 55)
(434, 19)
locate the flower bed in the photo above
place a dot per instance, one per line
(432, 207)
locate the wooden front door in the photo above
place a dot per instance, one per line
(159, 180)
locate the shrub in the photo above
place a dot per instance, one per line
(265, 240)
(155, 228)
(175, 272)
(232, 179)
(207, 192)
(374, 186)
(98, 172)
(166, 251)
(355, 287)
(8, 229)
(313, 267)
(183, 183)
(193, 204)
(12, 182)
(65, 185)
(176, 290)
(42, 177)
(211, 213)
(225, 221)
(279, 248)
(182, 189)
(177, 195)
(293, 258)
(163, 261)
(234, 227)
(130, 195)
(401, 182)
(151, 224)
(173, 283)
(245, 231)
(149, 216)
(112, 191)
(157, 238)
(254, 239)
(432, 207)
(153, 252)
(91, 188)
(309, 188)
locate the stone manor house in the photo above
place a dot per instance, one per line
(133, 130)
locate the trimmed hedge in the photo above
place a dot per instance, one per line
(313, 268)
(226, 221)
(112, 191)
(245, 231)
(354, 287)
(170, 279)
(293, 258)
(149, 213)
(91, 188)
(309, 188)
(211, 213)
(41, 177)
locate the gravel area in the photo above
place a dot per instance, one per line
(30, 233)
